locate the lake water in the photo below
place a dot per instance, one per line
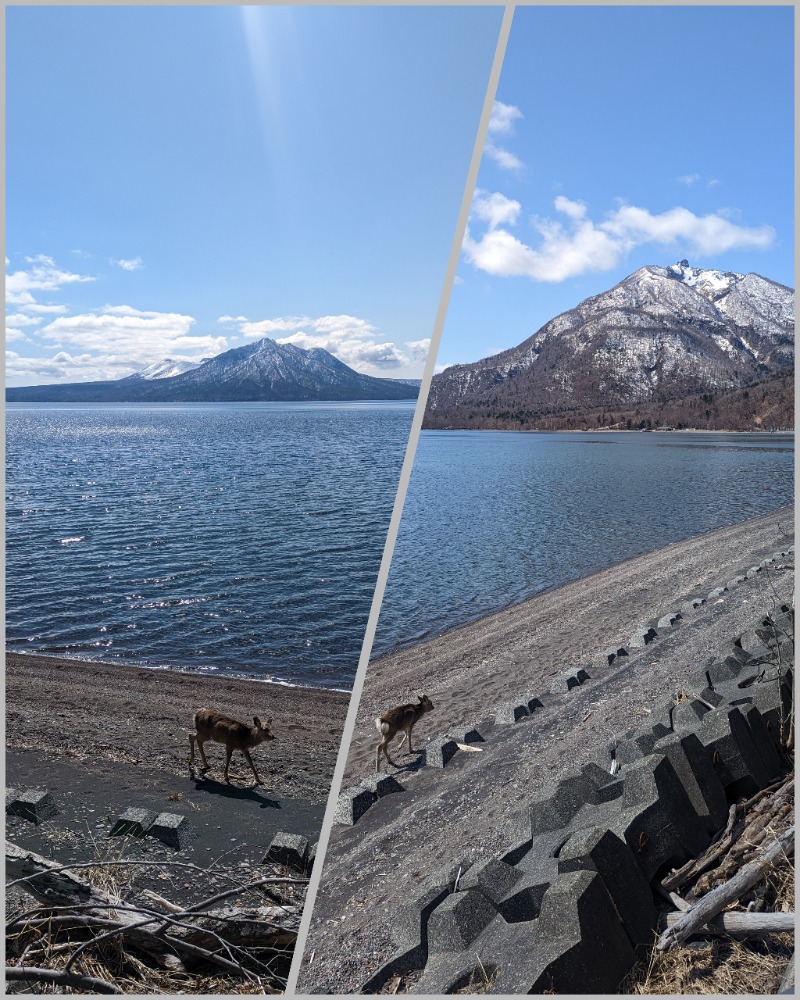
(492, 518)
(223, 537)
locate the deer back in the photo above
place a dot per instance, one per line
(220, 728)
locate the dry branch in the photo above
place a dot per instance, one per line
(33, 975)
(709, 906)
(739, 924)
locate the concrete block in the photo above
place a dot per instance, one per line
(692, 764)
(466, 734)
(532, 702)
(726, 735)
(610, 655)
(753, 571)
(604, 852)
(312, 856)
(642, 637)
(509, 713)
(658, 821)
(607, 786)
(692, 605)
(687, 714)
(289, 850)
(581, 942)
(133, 822)
(33, 804)
(352, 804)
(458, 920)
(410, 921)
(172, 829)
(555, 811)
(716, 594)
(736, 581)
(382, 784)
(762, 737)
(523, 900)
(438, 753)
(669, 620)
(493, 878)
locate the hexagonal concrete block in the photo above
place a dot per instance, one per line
(289, 850)
(509, 713)
(352, 804)
(439, 753)
(692, 605)
(133, 823)
(667, 621)
(642, 637)
(172, 829)
(458, 921)
(32, 804)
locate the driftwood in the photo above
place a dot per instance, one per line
(89, 984)
(739, 924)
(709, 906)
(234, 939)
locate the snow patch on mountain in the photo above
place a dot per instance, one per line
(168, 368)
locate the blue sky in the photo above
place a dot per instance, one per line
(184, 180)
(625, 136)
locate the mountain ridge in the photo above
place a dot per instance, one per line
(259, 372)
(659, 336)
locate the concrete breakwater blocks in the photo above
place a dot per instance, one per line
(608, 656)
(566, 906)
(510, 712)
(716, 594)
(466, 735)
(569, 679)
(668, 620)
(133, 823)
(353, 802)
(32, 804)
(692, 605)
(289, 850)
(642, 637)
(439, 753)
(172, 829)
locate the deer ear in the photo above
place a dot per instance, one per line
(268, 721)
(257, 721)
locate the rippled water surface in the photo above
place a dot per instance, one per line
(492, 518)
(223, 537)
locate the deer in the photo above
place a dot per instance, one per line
(219, 728)
(399, 720)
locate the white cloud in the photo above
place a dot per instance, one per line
(232, 319)
(65, 367)
(494, 209)
(43, 276)
(419, 348)
(688, 179)
(129, 264)
(13, 335)
(579, 245)
(502, 123)
(503, 118)
(20, 319)
(133, 337)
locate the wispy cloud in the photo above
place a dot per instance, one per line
(128, 264)
(419, 348)
(688, 180)
(501, 123)
(42, 276)
(573, 244)
(352, 340)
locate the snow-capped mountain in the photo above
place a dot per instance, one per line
(261, 371)
(166, 369)
(660, 334)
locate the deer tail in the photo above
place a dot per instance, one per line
(382, 727)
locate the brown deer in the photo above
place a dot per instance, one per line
(399, 720)
(219, 728)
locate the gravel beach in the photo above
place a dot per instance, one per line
(446, 818)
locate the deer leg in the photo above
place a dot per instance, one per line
(192, 738)
(200, 743)
(402, 739)
(228, 752)
(252, 765)
(409, 731)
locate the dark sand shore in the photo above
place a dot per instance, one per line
(468, 811)
(103, 737)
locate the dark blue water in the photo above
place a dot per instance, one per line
(224, 537)
(492, 518)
